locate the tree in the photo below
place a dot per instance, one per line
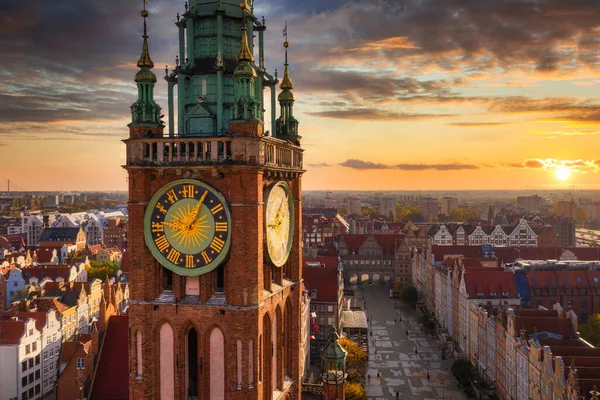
(356, 360)
(590, 331)
(409, 295)
(100, 270)
(354, 391)
(462, 371)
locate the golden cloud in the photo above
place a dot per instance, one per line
(552, 164)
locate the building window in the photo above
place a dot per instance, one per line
(31, 363)
(45, 371)
(37, 374)
(80, 363)
(37, 360)
(329, 308)
(34, 346)
(24, 381)
(28, 349)
(582, 291)
(24, 366)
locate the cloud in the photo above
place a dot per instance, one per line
(476, 124)
(373, 115)
(367, 165)
(554, 164)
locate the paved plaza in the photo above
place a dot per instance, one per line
(402, 370)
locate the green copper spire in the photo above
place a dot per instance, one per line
(244, 74)
(145, 111)
(287, 125)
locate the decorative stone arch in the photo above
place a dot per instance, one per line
(288, 339)
(214, 353)
(190, 349)
(165, 359)
(278, 348)
(266, 368)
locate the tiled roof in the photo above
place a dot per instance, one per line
(323, 280)
(561, 326)
(41, 272)
(572, 279)
(327, 261)
(46, 303)
(388, 242)
(38, 316)
(11, 331)
(59, 235)
(539, 279)
(488, 282)
(111, 380)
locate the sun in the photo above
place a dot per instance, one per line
(562, 173)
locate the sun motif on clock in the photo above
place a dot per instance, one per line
(279, 223)
(187, 227)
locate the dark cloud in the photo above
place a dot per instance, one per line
(373, 115)
(366, 165)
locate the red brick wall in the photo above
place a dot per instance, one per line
(242, 317)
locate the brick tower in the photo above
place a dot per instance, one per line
(214, 219)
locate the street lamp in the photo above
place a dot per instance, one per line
(443, 388)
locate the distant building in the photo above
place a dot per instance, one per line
(429, 208)
(388, 207)
(448, 204)
(48, 324)
(331, 203)
(52, 200)
(21, 342)
(530, 203)
(324, 282)
(565, 228)
(354, 206)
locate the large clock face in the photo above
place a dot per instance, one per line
(187, 227)
(279, 223)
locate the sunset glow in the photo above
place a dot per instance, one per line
(562, 173)
(383, 101)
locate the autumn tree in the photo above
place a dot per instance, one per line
(590, 331)
(354, 391)
(356, 360)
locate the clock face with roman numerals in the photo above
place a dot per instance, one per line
(187, 227)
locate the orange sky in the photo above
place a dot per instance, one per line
(416, 96)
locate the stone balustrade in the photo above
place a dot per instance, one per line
(191, 151)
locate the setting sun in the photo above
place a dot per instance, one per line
(562, 173)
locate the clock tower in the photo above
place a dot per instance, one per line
(214, 218)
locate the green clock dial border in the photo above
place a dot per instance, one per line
(288, 191)
(160, 257)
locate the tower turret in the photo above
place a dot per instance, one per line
(287, 125)
(244, 74)
(145, 112)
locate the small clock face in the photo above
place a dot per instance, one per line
(187, 227)
(279, 223)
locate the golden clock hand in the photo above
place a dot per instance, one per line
(197, 207)
(175, 224)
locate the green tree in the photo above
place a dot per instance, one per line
(590, 331)
(354, 391)
(356, 360)
(409, 295)
(100, 270)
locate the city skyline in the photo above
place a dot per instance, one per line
(398, 95)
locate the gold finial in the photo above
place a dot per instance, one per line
(243, 5)
(245, 54)
(286, 83)
(145, 61)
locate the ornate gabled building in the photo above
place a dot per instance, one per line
(214, 236)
